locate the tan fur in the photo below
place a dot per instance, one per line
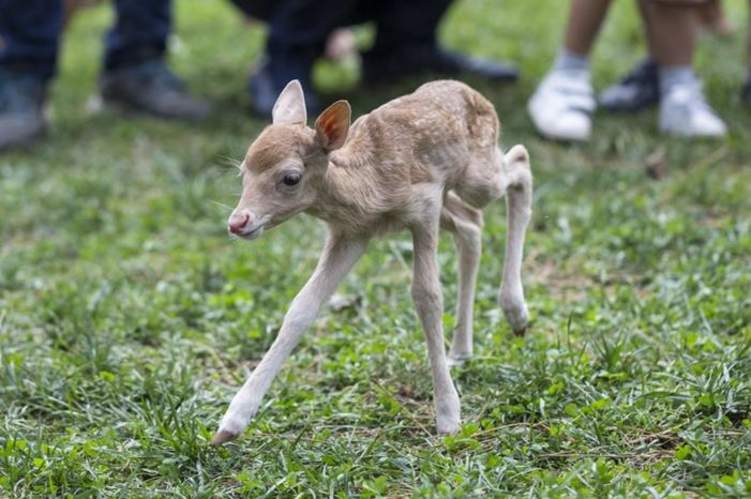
(274, 144)
(421, 161)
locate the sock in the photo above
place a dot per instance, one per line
(671, 76)
(569, 61)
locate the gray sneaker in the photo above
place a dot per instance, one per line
(22, 98)
(151, 88)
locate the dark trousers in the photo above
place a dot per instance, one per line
(30, 34)
(303, 25)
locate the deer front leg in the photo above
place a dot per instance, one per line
(428, 298)
(339, 255)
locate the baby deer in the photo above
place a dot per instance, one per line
(424, 161)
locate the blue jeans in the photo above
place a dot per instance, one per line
(30, 34)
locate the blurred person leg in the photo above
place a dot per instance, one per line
(406, 44)
(256, 9)
(712, 18)
(640, 87)
(297, 34)
(135, 75)
(673, 29)
(341, 44)
(29, 34)
(746, 90)
(563, 103)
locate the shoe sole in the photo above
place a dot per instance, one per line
(26, 142)
(555, 137)
(627, 110)
(687, 135)
(129, 110)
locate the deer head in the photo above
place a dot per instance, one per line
(283, 166)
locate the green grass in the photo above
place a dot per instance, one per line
(128, 318)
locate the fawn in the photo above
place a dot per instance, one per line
(423, 161)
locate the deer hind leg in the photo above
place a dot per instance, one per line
(465, 223)
(518, 185)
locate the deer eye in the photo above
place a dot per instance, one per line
(291, 179)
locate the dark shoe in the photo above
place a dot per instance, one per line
(21, 108)
(270, 78)
(151, 88)
(746, 91)
(638, 90)
(379, 66)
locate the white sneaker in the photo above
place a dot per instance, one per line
(685, 113)
(562, 106)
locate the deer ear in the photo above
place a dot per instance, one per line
(289, 107)
(332, 125)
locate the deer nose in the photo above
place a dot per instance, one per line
(238, 221)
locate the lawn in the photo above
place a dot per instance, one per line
(128, 317)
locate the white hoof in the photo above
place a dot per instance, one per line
(448, 413)
(447, 425)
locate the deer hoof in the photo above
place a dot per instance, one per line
(448, 419)
(222, 437)
(447, 426)
(520, 332)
